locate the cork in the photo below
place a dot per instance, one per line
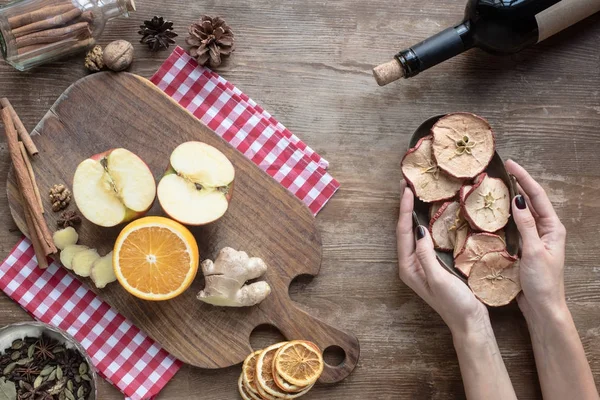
(388, 72)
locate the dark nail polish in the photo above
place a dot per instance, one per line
(520, 202)
(420, 232)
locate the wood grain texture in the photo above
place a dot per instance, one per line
(309, 64)
(264, 219)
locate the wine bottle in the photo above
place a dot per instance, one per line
(496, 26)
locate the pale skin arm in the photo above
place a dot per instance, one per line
(562, 366)
(482, 368)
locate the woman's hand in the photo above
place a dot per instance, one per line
(543, 246)
(421, 271)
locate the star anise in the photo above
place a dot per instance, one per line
(43, 348)
(28, 373)
(157, 33)
(68, 219)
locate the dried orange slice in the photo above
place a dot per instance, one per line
(285, 385)
(155, 258)
(299, 363)
(249, 371)
(265, 382)
(242, 389)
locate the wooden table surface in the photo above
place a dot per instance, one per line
(309, 63)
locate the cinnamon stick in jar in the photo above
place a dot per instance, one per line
(38, 15)
(80, 29)
(51, 22)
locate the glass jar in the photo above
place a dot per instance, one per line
(34, 32)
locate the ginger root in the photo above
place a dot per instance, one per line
(103, 272)
(226, 280)
(67, 254)
(65, 237)
(83, 261)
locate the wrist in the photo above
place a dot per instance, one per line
(547, 312)
(472, 329)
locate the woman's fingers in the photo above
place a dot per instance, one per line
(526, 225)
(404, 229)
(426, 256)
(537, 195)
(528, 200)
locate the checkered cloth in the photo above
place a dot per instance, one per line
(123, 354)
(249, 128)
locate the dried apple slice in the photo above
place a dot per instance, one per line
(434, 208)
(495, 278)
(476, 246)
(428, 182)
(464, 191)
(442, 226)
(487, 205)
(463, 144)
(462, 233)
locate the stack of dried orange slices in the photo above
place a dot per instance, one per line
(468, 209)
(286, 370)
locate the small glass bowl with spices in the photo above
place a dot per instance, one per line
(34, 32)
(40, 361)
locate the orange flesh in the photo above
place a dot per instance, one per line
(154, 260)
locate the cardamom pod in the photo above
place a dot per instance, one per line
(17, 344)
(15, 355)
(9, 368)
(83, 368)
(38, 381)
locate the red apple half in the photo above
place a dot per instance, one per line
(113, 187)
(198, 185)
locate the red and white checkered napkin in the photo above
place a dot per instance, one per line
(249, 128)
(123, 354)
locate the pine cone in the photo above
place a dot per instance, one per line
(157, 33)
(210, 40)
(60, 197)
(68, 219)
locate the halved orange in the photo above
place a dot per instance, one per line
(299, 363)
(155, 258)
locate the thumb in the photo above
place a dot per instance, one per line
(426, 255)
(525, 223)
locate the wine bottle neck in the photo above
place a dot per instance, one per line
(434, 50)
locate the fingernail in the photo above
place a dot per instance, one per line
(420, 232)
(520, 202)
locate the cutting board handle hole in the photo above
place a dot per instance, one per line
(265, 335)
(334, 356)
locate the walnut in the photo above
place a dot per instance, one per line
(60, 197)
(94, 60)
(68, 219)
(118, 55)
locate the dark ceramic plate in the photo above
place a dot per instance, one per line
(496, 170)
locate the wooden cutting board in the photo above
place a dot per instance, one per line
(108, 110)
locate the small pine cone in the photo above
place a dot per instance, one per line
(60, 197)
(210, 39)
(94, 60)
(68, 219)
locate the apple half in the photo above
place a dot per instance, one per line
(113, 187)
(198, 185)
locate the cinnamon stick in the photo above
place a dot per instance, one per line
(87, 16)
(26, 186)
(23, 134)
(38, 15)
(53, 22)
(36, 189)
(34, 236)
(54, 35)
